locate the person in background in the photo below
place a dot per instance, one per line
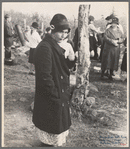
(34, 40)
(110, 57)
(92, 36)
(124, 61)
(8, 37)
(51, 115)
(109, 20)
(47, 31)
(27, 33)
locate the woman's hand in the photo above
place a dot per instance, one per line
(115, 42)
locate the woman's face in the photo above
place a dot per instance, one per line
(114, 25)
(60, 36)
(109, 21)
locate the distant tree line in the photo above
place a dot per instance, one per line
(19, 17)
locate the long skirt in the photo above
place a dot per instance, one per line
(31, 55)
(124, 63)
(52, 139)
(110, 58)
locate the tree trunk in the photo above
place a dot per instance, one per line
(82, 75)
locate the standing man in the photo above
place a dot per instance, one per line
(92, 36)
(8, 37)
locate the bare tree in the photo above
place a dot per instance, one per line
(82, 75)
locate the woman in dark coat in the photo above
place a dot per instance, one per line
(110, 57)
(51, 114)
(124, 61)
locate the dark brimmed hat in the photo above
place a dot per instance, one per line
(48, 29)
(110, 17)
(7, 16)
(59, 22)
(35, 25)
(91, 18)
(115, 21)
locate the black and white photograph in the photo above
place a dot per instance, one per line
(65, 74)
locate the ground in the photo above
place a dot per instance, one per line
(111, 99)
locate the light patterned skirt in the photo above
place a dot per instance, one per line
(52, 139)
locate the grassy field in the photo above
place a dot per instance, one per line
(111, 101)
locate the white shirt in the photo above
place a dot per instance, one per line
(34, 39)
(92, 29)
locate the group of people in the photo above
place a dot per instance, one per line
(111, 43)
(53, 57)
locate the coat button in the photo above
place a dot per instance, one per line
(61, 77)
(62, 104)
(62, 90)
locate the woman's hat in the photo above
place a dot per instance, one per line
(35, 25)
(115, 20)
(91, 18)
(110, 17)
(7, 16)
(59, 22)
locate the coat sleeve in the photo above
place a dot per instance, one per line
(71, 64)
(8, 31)
(107, 39)
(43, 65)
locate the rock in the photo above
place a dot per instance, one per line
(89, 101)
(93, 87)
(22, 99)
(32, 105)
(116, 93)
(97, 69)
(13, 100)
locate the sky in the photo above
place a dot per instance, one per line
(69, 9)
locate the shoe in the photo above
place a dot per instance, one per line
(110, 78)
(31, 73)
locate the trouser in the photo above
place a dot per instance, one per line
(7, 52)
(93, 45)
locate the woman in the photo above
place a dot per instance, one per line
(51, 114)
(34, 40)
(92, 36)
(124, 61)
(110, 57)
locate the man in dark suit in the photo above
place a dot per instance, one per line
(8, 37)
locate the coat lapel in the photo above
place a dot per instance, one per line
(54, 45)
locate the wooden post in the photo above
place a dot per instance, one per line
(24, 24)
(82, 76)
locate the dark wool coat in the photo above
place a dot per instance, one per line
(8, 34)
(111, 53)
(52, 96)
